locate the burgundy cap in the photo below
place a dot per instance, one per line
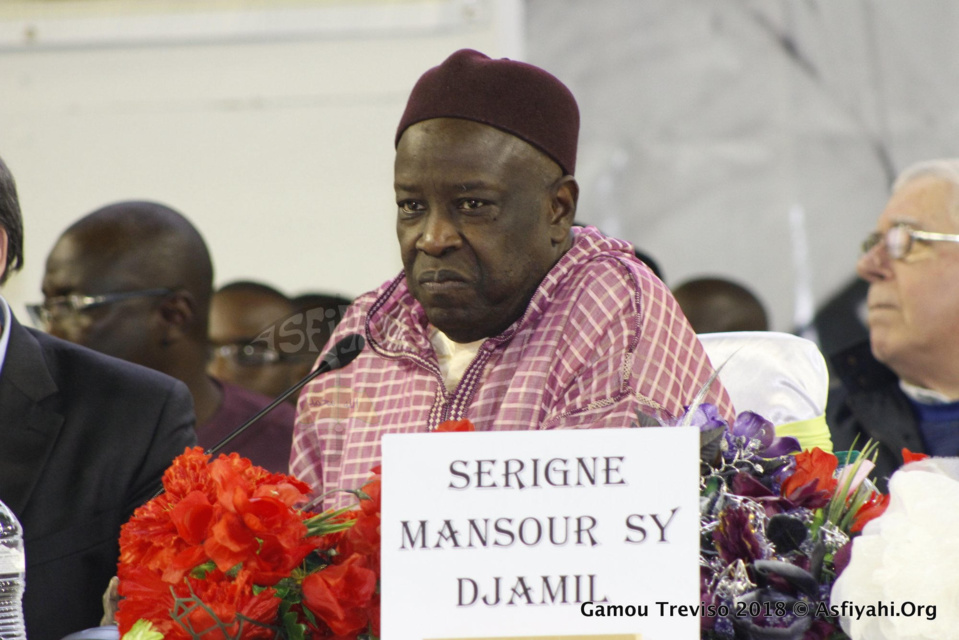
(516, 97)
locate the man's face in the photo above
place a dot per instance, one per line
(913, 303)
(244, 319)
(478, 221)
(123, 329)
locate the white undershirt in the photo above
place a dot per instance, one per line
(923, 395)
(453, 357)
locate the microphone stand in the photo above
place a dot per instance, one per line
(342, 353)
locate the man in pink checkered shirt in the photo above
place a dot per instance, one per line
(504, 314)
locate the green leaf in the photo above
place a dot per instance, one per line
(142, 630)
(294, 630)
(199, 572)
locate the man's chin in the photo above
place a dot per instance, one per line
(883, 349)
(456, 324)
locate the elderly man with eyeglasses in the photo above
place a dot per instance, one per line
(133, 280)
(902, 388)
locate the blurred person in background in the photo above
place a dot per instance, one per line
(245, 318)
(716, 305)
(319, 314)
(138, 278)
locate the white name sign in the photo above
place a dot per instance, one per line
(541, 533)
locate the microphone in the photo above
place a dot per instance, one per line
(342, 354)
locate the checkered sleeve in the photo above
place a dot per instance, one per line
(309, 441)
(627, 349)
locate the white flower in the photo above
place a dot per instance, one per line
(906, 559)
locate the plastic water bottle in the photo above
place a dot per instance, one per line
(12, 566)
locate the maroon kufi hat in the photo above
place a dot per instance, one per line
(515, 97)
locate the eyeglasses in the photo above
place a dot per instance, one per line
(70, 306)
(248, 354)
(899, 240)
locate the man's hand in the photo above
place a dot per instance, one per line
(111, 600)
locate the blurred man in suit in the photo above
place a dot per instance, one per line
(153, 270)
(84, 440)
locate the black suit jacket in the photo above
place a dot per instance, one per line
(871, 405)
(84, 440)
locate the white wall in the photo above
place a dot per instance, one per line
(706, 125)
(270, 127)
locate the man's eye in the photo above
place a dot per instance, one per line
(408, 207)
(471, 204)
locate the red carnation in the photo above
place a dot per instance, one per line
(341, 595)
(456, 425)
(908, 456)
(812, 483)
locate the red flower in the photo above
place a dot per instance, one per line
(230, 543)
(150, 538)
(341, 595)
(812, 483)
(241, 519)
(456, 425)
(364, 536)
(143, 595)
(192, 517)
(908, 456)
(227, 600)
(189, 472)
(871, 508)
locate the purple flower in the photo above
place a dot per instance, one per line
(752, 432)
(744, 484)
(781, 446)
(754, 427)
(735, 538)
(705, 416)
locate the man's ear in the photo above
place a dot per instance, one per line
(4, 248)
(178, 313)
(565, 193)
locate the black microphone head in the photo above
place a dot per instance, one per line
(343, 352)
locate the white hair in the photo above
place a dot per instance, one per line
(946, 169)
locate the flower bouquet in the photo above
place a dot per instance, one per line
(775, 529)
(225, 553)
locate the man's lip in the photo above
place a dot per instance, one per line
(440, 276)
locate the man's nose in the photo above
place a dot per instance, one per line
(875, 264)
(439, 234)
(219, 367)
